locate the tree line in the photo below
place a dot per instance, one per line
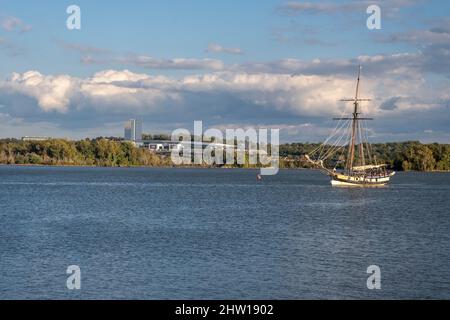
(400, 156)
(96, 152)
(411, 155)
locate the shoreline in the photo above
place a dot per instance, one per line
(101, 152)
(173, 167)
(124, 167)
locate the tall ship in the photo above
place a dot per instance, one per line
(346, 155)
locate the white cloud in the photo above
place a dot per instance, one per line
(282, 93)
(123, 89)
(148, 62)
(302, 95)
(216, 48)
(297, 7)
(52, 93)
(11, 24)
(109, 76)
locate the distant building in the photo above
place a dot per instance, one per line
(160, 146)
(156, 147)
(133, 130)
(27, 138)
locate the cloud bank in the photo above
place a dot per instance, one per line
(232, 97)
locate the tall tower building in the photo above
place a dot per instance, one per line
(133, 130)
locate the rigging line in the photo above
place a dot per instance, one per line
(332, 145)
(368, 146)
(336, 138)
(333, 133)
(341, 154)
(344, 133)
(335, 147)
(344, 145)
(323, 144)
(362, 159)
(349, 134)
(364, 138)
(338, 149)
(338, 127)
(343, 124)
(337, 142)
(317, 149)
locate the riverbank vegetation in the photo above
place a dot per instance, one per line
(411, 155)
(97, 152)
(115, 153)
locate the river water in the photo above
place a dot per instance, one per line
(220, 234)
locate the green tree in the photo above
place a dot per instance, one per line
(421, 158)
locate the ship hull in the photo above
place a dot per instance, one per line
(340, 180)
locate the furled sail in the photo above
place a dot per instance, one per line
(368, 167)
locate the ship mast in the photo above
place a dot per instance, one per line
(356, 129)
(351, 151)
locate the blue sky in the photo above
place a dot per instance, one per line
(228, 63)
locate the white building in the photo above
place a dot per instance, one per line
(163, 146)
(157, 147)
(133, 130)
(27, 138)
